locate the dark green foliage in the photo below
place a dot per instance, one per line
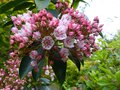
(101, 34)
(25, 66)
(11, 4)
(23, 5)
(54, 1)
(75, 60)
(59, 67)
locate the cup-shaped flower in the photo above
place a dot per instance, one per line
(60, 32)
(36, 35)
(64, 52)
(69, 42)
(33, 54)
(47, 42)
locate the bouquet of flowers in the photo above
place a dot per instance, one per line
(44, 42)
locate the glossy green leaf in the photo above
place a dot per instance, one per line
(54, 1)
(23, 5)
(107, 71)
(11, 4)
(101, 34)
(45, 81)
(25, 66)
(41, 4)
(59, 67)
(8, 23)
(51, 6)
(104, 83)
(76, 3)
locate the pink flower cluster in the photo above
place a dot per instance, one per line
(35, 59)
(9, 78)
(72, 29)
(71, 32)
(49, 72)
(61, 6)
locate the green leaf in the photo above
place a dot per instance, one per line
(25, 66)
(8, 23)
(59, 67)
(51, 6)
(11, 4)
(101, 34)
(107, 71)
(104, 83)
(54, 1)
(117, 74)
(23, 5)
(76, 3)
(45, 81)
(75, 60)
(41, 4)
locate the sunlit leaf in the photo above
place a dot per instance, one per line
(11, 4)
(117, 74)
(23, 5)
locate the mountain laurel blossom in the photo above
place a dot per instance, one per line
(71, 32)
(47, 42)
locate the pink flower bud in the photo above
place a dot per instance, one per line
(43, 23)
(44, 18)
(100, 26)
(33, 54)
(21, 45)
(49, 15)
(36, 69)
(96, 19)
(36, 35)
(64, 52)
(13, 18)
(11, 42)
(39, 57)
(14, 30)
(71, 33)
(33, 63)
(12, 54)
(25, 39)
